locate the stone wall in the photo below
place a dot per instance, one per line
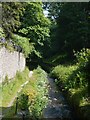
(10, 63)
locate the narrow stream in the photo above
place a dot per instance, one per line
(57, 107)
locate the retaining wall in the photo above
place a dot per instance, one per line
(10, 63)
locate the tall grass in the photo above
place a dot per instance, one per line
(10, 89)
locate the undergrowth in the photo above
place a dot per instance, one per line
(33, 97)
(75, 80)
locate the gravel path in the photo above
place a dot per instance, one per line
(57, 106)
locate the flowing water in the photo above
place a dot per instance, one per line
(57, 107)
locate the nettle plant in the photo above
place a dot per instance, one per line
(83, 57)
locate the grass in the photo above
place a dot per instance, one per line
(36, 91)
(10, 89)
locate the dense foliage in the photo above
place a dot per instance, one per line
(70, 29)
(69, 26)
(75, 79)
(35, 26)
(11, 12)
(25, 46)
(33, 95)
(26, 22)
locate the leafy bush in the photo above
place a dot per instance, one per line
(62, 73)
(23, 42)
(83, 57)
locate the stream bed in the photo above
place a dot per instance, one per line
(57, 107)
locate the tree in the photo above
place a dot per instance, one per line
(71, 21)
(35, 26)
(11, 14)
(26, 22)
(73, 25)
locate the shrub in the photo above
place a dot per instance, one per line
(83, 57)
(83, 61)
(62, 73)
(23, 42)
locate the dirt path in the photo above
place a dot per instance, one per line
(57, 106)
